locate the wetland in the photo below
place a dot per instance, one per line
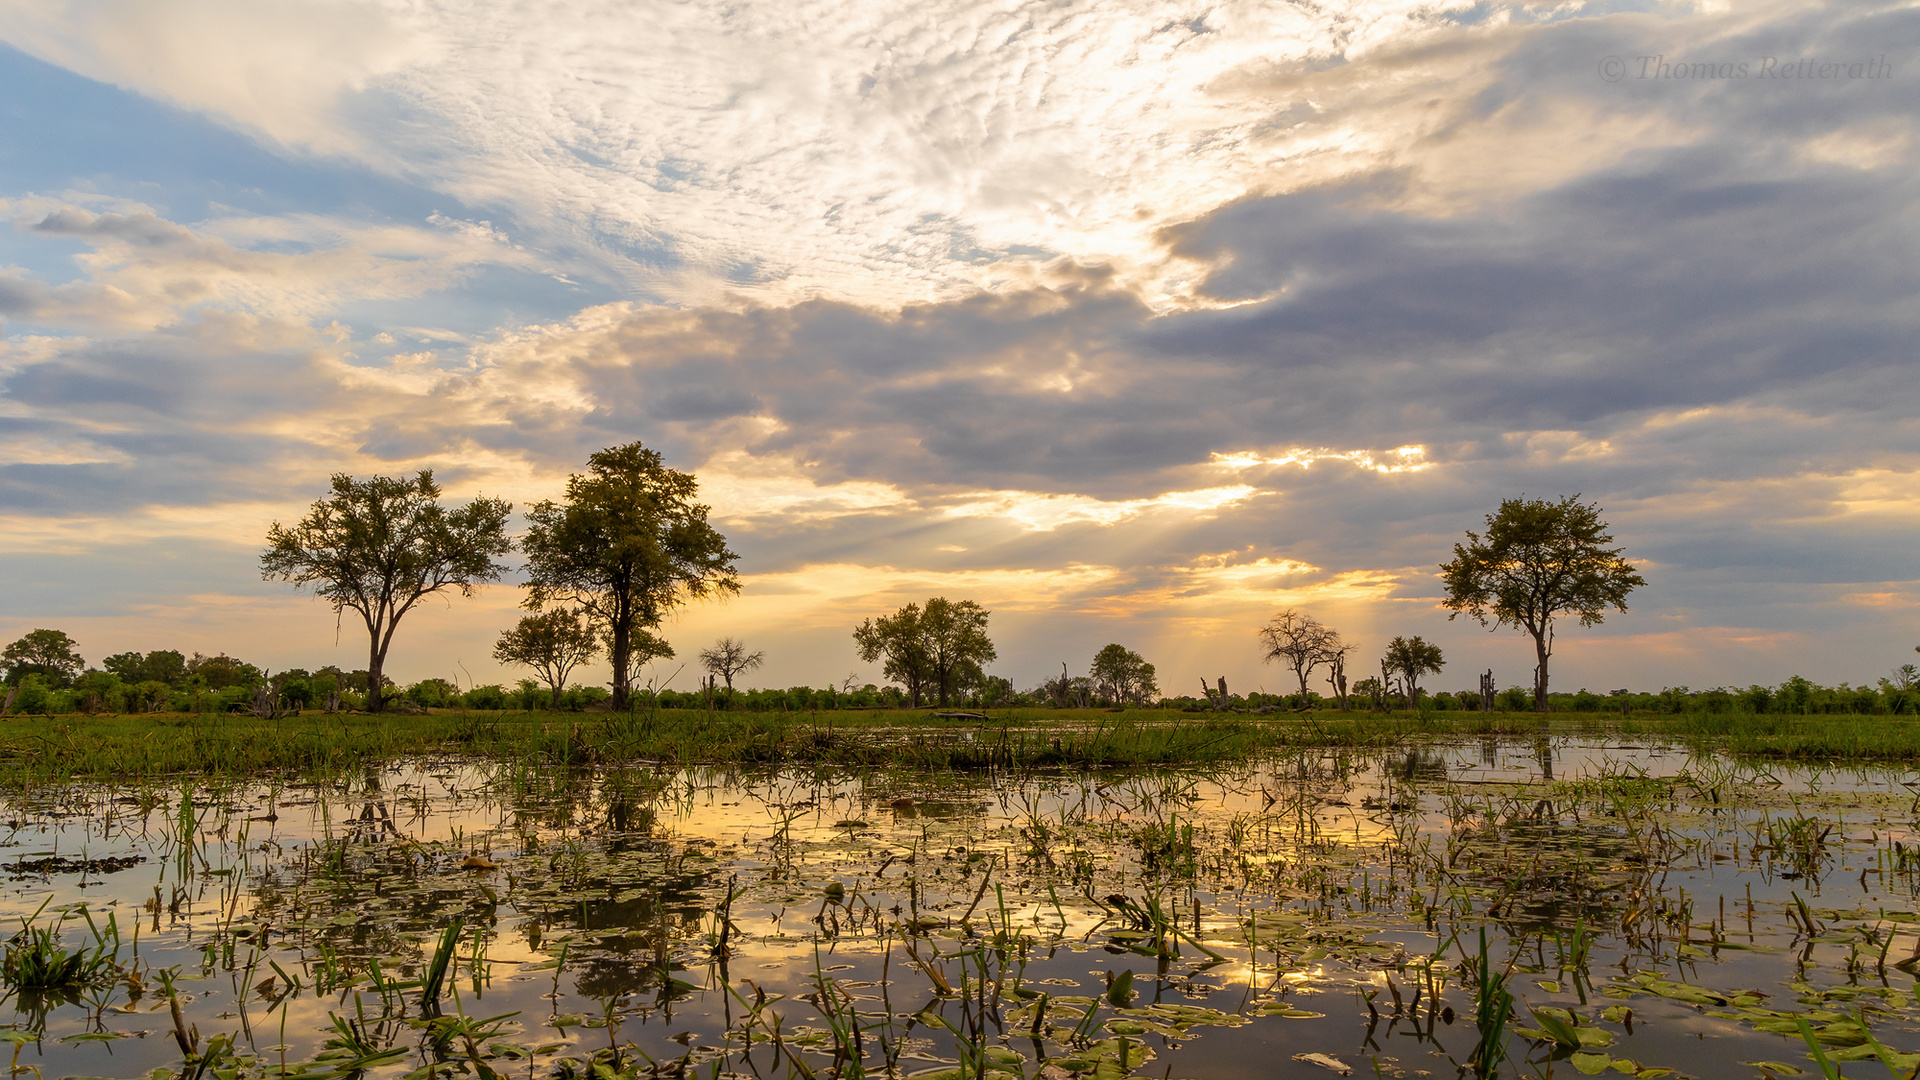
(1518, 902)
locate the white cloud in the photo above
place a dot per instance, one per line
(878, 150)
(143, 271)
(282, 68)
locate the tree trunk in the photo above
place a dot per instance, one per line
(1540, 673)
(376, 659)
(619, 652)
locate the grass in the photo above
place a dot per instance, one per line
(36, 962)
(57, 748)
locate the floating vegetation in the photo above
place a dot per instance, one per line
(1483, 907)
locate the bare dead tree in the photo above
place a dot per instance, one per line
(1302, 643)
(729, 657)
(1337, 678)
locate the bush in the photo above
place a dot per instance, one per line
(486, 697)
(297, 693)
(33, 697)
(529, 695)
(577, 697)
(1515, 699)
(433, 693)
(150, 696)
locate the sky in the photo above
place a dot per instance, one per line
(1135, 321)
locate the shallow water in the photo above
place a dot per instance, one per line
(791, 923)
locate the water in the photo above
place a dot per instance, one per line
(1327, 906)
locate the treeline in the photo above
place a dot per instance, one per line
(46, 675)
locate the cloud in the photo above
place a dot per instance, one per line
(145, 272)
(283, 68)
(859, 149)
(1149, 318)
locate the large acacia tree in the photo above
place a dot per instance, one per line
(381, 545)
(942, 646)
(1539, 560)
(628, 545)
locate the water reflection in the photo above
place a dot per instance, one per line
(1198, 921)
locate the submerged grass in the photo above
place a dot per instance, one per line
(58, 748)
(1324, 889)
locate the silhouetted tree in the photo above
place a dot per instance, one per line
(1302, 643)
(1120, 674)
(552, 643)
(381, 545)
(1411, 658)
(1537, 561)
(161, 665)
(221, 671)
(628, 545)
(942, 646)
(729, 657)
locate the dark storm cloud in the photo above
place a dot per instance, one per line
(1688, 278)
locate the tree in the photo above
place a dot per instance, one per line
(941, 646)
(222, 671)
(729, 657)
(381, 545)
(1302, 643)
(629, 545)
(1411, 658)
(898, 640)
(49, 654)
(1538, 561)
(552, 643)
(161, 665)
(1120, 674)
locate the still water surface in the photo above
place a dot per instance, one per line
(1297, 916)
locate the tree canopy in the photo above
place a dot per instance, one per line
(552, 643)
(1119, 674)
(1302, 643)
(1411, 658)
(381, 545)
(628, 545)
(1539, 560)
(161, 665)
(942, 646)
(50, 654)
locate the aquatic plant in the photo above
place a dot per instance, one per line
(36, 962)
(1493, 1004)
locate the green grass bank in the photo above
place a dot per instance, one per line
(52, 748)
